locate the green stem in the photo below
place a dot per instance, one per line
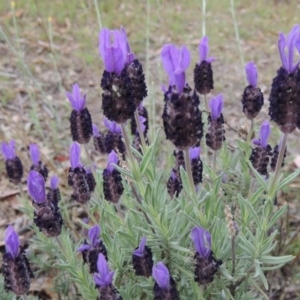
(278, 165)
(127, 143)
(139, 128)
(203, 17)
(119, 210)
(206, 104)
(98, 14)
(188, 168)
(24, 297)
(250, 131)
(215, 162)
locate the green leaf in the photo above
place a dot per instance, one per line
(288, 180)
(147, 159)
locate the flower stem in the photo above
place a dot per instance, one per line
(24, 297)
(139, 128)
(250, 131)
(233, 255)
(278, 165)
(203, 17)
(119, 210)
(188, 168)
(127, 143)
(215, 162)
(206, 104)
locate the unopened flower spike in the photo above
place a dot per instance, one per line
(260, 155)
(104, 280)
(142, 259)
(112, 180)
(54, 192)
(80, 120)
(165, 286)
(123, 80)
(215, 132)
(15, 268)
(203, 73)
(13, 164)
(37, 165)
(205, 264)
(47, 216)
(91, 248)
(253, 98)
(99, 140)
(77, 178)
(181, 117)
(285, 92)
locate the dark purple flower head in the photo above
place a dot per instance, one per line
(112, 126)
(75, 155)
(36, 187)
(194, 152)
(251, 72)
(8, 150)
(96, 132)
(161, 275)
(54, 181)
(140, 250)
(264, 134)
(175, 61)
(112, 159)
(34, 154)
(204, 50)
(77, 101)
(114, 50)
(216, 106)
(12, 242)
(287, 46)
(105, 276)
(202, 241)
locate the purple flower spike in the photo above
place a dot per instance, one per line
(264, 134)
(287, 46)
(175, 61)
(112, 159)
(75, 155)
(104, 277)
(216, 106)
(54, 182)
(202, 241)
(204, 50)
(194, 152)
(113, 47)
(251, 72)
(34, 154)
(36, 187)
(112, 126)
(77, 101)
(12, 242)
(93, 235)
(96, 132)
(161, 275)
(8, 150)
(140, 251)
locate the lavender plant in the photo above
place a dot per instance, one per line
(207, 232)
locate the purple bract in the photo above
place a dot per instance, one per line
(8, 150)
(216, 106)
(194, 152)
(12, 242)
(75, 155)
(264, 134)
(36, 187)
(112, 126)
(34, 154)
(54, 181)
(105, 276)
(203, 49)
(112, 159)
(251, 72)
(202, 241)
(140, 251)
(77, 101)
(161, 275)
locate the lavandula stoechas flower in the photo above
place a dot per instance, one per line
(54, 192)
(13, 164)
(203, 73)
(47, 216)
(98, 139)
(182, 118)
(260, 154)
(37, 165)
(285, 92)
(77, 178)
(90, 178)
(112, 180)
(80, 120)
(113, 139)
(164, 286)
(103, 279)
(91, 248)
(205, 264)
(15, 268)
(142, 259)
(253, 98)
(215, 132)
(123, 81)
(196, 164)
